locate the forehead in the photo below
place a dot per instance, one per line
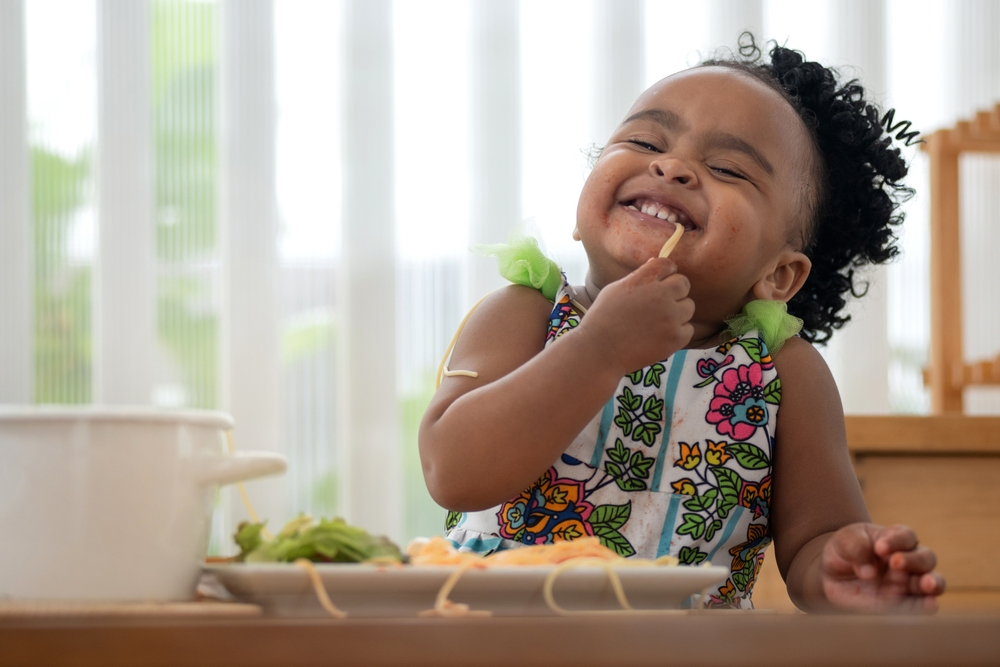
(719, 99)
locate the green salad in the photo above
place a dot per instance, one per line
(328, 541)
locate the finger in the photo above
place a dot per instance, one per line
(895, 538)
(931, 583)
(678, 286)
(913, 604)
(650, 271)
(854, 545)
(685, 308)
(666, 268)
(919, 560)
(645, 273)
(686, 333)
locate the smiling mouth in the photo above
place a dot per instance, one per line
(661, 212)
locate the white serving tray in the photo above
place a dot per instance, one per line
(377, 591)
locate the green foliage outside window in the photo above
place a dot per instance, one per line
(62, 346)
(185, 63)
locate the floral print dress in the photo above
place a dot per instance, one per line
(678, 462)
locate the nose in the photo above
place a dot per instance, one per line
(674, 170)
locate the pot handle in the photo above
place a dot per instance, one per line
(239, 467)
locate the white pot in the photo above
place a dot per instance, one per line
(111, 503)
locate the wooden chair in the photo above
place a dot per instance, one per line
(939, 475)
(948, 372)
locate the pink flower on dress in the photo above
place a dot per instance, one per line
(738, 408)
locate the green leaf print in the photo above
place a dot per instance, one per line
(630, 484)
(615, 541)
(703, 502)
(752, 346)
(639, 434)
(623, 421)
(707, 381)
(570, 532)
(452, 520)
(748, 455)
(694, 525)
(652, 378)
(772, 392)
(641, 464)
(613, 469)
(649, 433)
(691, 556)
(618, 453)
(628, 400)
(740, 580)
(729, 486)
(610, 516)
(625, 466)
(710, 530)
(636, 377)
(653, 408)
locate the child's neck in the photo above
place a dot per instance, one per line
(706, 335)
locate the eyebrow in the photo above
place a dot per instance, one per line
(667, 119)
(672, 121)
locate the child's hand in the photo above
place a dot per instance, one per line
(865, 567)
(642, 318)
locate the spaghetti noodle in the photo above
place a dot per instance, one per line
(671, 243)
(317, 584)
(565, 555)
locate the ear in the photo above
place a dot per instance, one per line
(785, 278)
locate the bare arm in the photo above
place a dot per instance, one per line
(484, 439)
(815, 491)
(831, 556)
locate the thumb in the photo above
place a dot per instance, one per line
(655, 268)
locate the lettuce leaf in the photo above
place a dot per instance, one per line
(329, 541)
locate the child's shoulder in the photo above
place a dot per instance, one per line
(799, 358)
(806, 380)
(516, 302)
(511, 320)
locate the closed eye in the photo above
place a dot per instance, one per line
(644, 144)
(729, 172)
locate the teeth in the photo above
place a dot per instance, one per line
(659, 211)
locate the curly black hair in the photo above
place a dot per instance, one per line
(854, 205)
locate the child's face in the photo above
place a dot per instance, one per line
(726, 156)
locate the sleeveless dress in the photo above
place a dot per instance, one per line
(678, 462)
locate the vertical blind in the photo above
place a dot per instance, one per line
(265, 207)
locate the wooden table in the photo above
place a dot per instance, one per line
(702, 639)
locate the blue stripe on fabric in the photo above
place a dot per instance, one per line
(478, 545)
(602, 432)
(669, 393)
(727, 532)
(668, 526)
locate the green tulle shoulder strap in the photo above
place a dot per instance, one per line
(522, 262)
(769, 318)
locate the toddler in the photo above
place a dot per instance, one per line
(672, 405)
